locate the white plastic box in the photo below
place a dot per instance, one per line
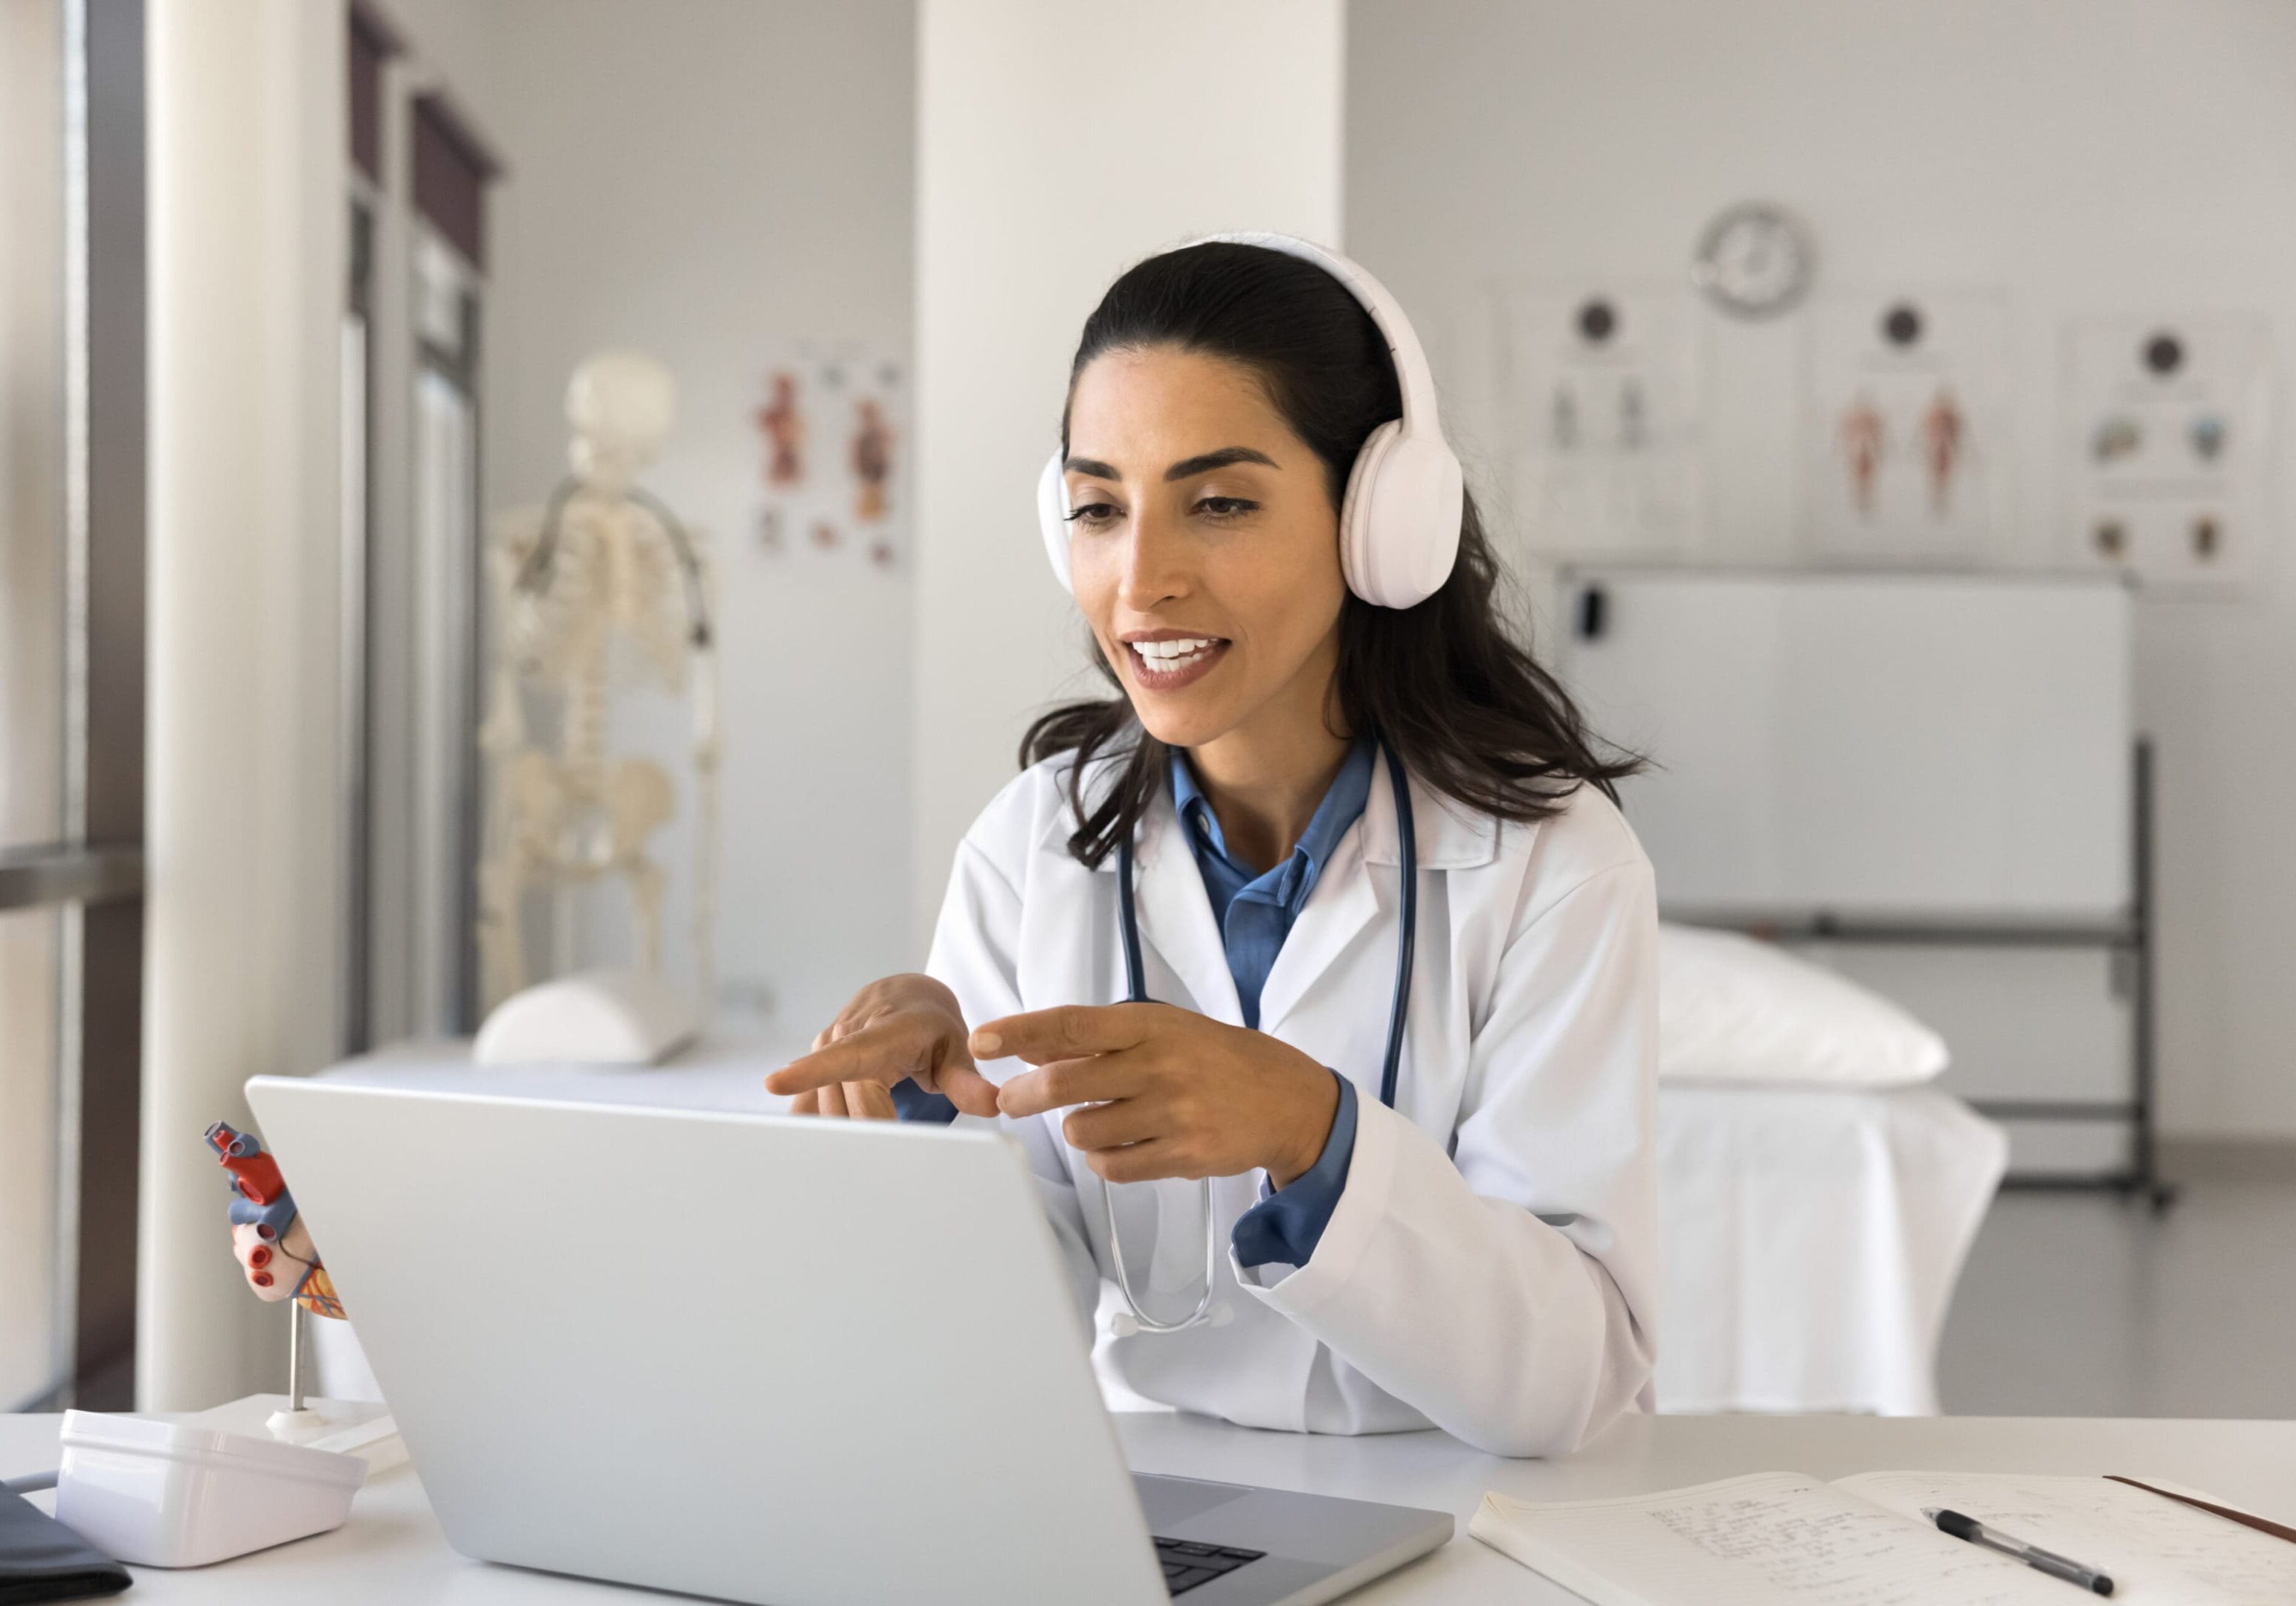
(160, 1494)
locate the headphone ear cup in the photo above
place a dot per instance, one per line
(1052, 519)
(1399, 521)
(1356, 564)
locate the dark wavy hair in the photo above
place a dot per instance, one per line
(1457, 698)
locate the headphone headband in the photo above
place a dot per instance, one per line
(1414, 376)
(1399, 518)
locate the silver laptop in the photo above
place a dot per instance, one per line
(763, 1358)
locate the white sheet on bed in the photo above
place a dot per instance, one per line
(1813, 1235)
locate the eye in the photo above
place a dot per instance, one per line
(1091, 515)
(1226, 507)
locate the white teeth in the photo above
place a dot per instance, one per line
(1169, 658)
(1170, 653)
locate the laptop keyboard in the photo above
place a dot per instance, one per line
(1188, 1562)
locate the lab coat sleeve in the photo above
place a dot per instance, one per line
(974, 946)
(1506, 1290)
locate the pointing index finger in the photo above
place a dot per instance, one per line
(885, 1052)
(1065, 1032)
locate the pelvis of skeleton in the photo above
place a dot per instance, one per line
(564, 819)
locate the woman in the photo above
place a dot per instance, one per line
(1482, 1256)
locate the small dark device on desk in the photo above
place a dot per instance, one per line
(42, 1559)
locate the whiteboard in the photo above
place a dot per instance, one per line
(1953, 746)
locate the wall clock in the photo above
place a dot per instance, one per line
(1755, 260)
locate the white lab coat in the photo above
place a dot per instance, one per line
(1492, 1265)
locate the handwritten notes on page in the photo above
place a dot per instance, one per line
(1773, 1537)
(2157, 1551)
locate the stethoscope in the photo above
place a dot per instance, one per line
(1132, 1319)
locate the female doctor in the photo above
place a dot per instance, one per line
(1314, 970)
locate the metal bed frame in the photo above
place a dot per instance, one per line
(2129, 939)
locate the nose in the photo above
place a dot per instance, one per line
(1155, 561)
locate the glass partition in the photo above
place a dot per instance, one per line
(71, 712)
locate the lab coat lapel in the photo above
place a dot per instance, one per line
(1345, 899)
(1364, 883)
(1176, 919)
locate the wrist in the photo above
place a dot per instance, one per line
(1319, 1106)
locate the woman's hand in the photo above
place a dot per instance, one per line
(863, 1101)
(901, 1028)
(1166, 1092)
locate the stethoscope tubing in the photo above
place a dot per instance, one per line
(1136, 989)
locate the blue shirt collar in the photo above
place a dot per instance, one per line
(1342, 804)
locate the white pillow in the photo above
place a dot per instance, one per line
(590, 1018)
(1731, 1009)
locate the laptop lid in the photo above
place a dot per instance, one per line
(761, 1357)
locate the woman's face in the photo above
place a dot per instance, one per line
(1204, 548)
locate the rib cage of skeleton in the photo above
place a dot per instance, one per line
(599, 595)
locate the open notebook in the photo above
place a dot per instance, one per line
(1780, 1536)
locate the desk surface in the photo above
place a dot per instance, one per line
(391, 1549)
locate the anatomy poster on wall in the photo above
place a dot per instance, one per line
(2166, 422)
(829, 423)
(1905, 446)
(1602, 395)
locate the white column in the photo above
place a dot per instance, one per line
(245, 919)
(1058, 141)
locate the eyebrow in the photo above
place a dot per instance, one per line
(1186, 469)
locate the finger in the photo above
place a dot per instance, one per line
(1063, 1033)
(1098, 1127)
(870, 1100)
(805, 1104)
(1148, 1161)
(1065, 1082)
(959, 1081)
(822, 1038)
(833, 1099)
(885, 1052)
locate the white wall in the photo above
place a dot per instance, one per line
(1057, 141)
(708, 180)
(450, 45)
(2086, 155)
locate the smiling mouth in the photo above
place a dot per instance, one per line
(1168, 665)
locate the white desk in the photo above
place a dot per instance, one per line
(391, 1550)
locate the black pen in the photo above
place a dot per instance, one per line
(2031, 1555)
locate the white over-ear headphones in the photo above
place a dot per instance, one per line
(1399, 520)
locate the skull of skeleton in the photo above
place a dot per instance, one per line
(621, 405)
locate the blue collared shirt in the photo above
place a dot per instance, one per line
(1255, 912)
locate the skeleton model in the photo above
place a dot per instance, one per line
(599, 592)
